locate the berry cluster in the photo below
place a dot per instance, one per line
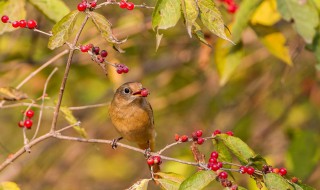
(246, 169)
(270, 169)
(223, 178)
(217, 132)
(152, 160)
(85, 5)
(31, 24)
(123, 4)
(232, 7)
(28, 122)
(122, 68)
(196, 136)
(213, 162)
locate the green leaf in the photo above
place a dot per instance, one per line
(303, 15)
(306, 187)
(54, 10)
(274, 41)
(198, 180)
(199, 34)
(227, 59)
(239, 148)
(62, 30)
(12, 94)
(104, 26)
(191, 12)
(168, 184)
(72, 121)
(276, 182)
(296, 186)
(211, 18)
(243, 17)
(9, 186)
(166, 14)
(140, 185)
(224, 153)
(257, 161)
(171, 176)
(15, 10)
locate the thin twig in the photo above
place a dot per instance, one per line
(42, 101)
(75, 108)
(42, 32)
(65, 77)
(89, 106)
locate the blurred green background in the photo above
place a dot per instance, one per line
(273, 107)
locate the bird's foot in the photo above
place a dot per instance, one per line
(147, 153)
(114, 142)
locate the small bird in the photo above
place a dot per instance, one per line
(132, 116)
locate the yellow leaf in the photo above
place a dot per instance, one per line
(266, 14)
(9, 186)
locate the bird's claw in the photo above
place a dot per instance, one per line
(114, 142)
(147, 153)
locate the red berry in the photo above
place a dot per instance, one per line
(93, 4)
(104, 53)
(119, 70)
(130, 6)
(250, 170)
(217, 132)
(125, 69)
(275, 170)
(200, 140)
(22, 23)
(123, 5)
(176, 137)
(220, 164)
(144, 92)
(84, 48)
(21, 124)
(294, 179)
(96, 50)
(184, 138)
(90, 46)
(15, 24)
(283, 171)
(243, 169)
(212, 160)
(32, 24)
(157, 160)
(214, 154)
(4, 18)
(29, 113)
(230, 133)
(28, 123)
(82, 6)
(194, 136)
(232, 8)
(150, 161)
(199, 133)
(223, 175)
(215, 167)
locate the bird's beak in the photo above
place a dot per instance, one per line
(137, 93)
(143, 92)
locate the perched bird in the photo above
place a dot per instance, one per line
(132, 116)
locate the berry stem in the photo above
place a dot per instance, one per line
(65, 77)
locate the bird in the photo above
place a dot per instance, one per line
(132, 115)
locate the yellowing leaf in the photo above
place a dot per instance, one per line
(211, 18)
(9, 186)
(198, 180)
(276, 182)
(62, 30)
(11, 94)
(168, 184)
(171, 176)
(54, 10)
(140, 185)
(72, 121)
(191, 11)
(266, 13)
(274, 41)
(166, 14)
(199, 34)
(15, 9)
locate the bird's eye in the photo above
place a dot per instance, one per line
(126, 90)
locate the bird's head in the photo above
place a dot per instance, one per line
(131, 91)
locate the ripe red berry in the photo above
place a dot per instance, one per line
(157, 160)
(234, 187)
(176, 137)
(96, 50)
(215, 167)
(230, 133)
(4, 18)
(217, 132)
(144, 92)
(250, 170)
(283, 171)
(125, 69)
(199, 133)
(130, 6)
(22, 23)
(82, 6)
(28, 123)
(150, 161)
(119, 70)
(93, 4)
(32, 24)
(220, 164)
(29, 113)
(200, 140)
(294, 179)
(243, 169)
(232, 8)
(223, 175)
(15, 24)
(214, 154)
(104, 53)
(21, 124)
(84, 48)
(123, 4)
(184, 138)
(212, 160)
(275, 170)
